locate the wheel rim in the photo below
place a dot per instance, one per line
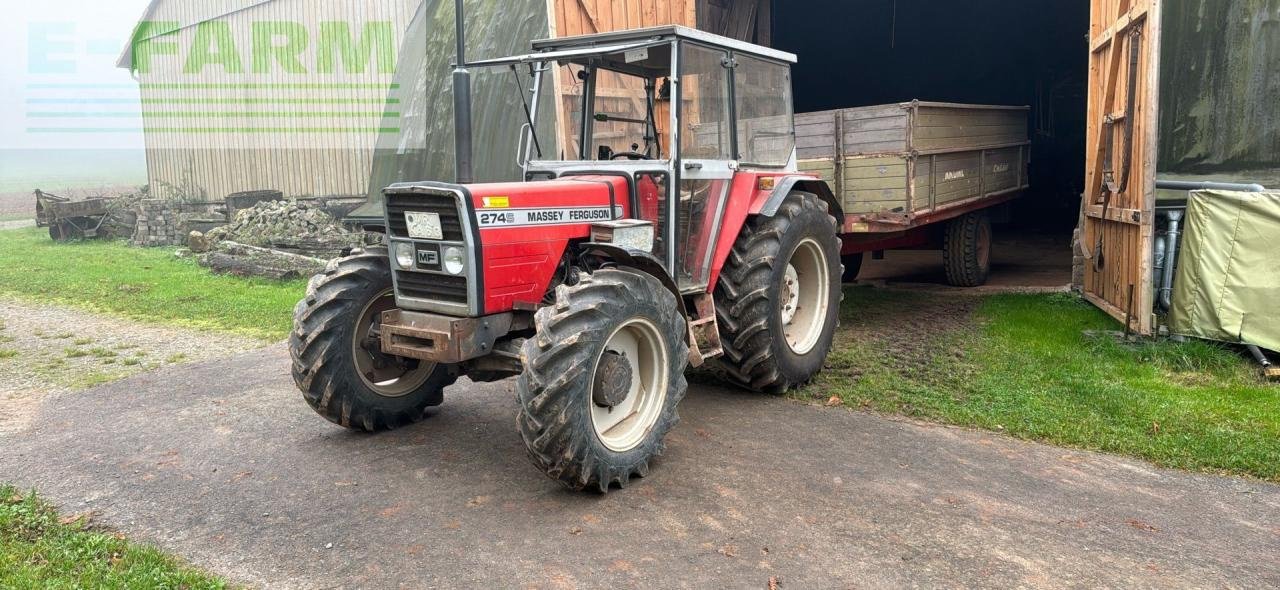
(805, 286)
(386, 375)
(624, 426)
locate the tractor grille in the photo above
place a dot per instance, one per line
(432, 287)
(426, 287)
(443, 205)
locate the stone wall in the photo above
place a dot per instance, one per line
(158, 224)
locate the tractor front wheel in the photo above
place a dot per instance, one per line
(337, 359)
(778, 299)
(602, 379)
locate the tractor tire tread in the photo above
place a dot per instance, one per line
(743, 302)
(317, 346)
(960, 251)
(554, 389)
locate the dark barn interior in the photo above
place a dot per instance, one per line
(1009, 52)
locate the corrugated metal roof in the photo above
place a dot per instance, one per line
(181, 14)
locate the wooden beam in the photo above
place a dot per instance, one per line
(588, 8)
(1132, 17)
(1111, 310)
(1146, 275)
(1116, 214)
(764, 24)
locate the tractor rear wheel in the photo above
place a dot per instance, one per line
(966, 250)
(778, 299)
(337, 358)
(602, 379)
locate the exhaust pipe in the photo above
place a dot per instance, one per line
(462, 168)
(1170, 258)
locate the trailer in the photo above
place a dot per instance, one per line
(918, 174)
(70, 220)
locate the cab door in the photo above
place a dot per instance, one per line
(705, 161)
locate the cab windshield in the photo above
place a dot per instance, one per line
(620, 103)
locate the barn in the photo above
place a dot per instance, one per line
(242, 95)
(296, 95)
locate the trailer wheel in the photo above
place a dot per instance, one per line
(602, 379)
(778, 299)
(57, 232)
(966, 250)
(337, 361)
(852, 266)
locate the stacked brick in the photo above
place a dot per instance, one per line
(158, 224)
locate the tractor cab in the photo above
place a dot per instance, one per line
(675, 111)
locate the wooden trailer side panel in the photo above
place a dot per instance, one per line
(1118, 229)
(893, 164)
(944, 127)
(882, 129)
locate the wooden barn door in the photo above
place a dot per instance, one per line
(1124, 45)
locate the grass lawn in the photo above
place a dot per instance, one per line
(144, 284)
(1023, 365)
(40, 549)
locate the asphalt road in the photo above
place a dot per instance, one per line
(222, 463)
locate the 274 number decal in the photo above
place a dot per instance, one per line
(527, 217)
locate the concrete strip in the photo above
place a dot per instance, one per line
(223, 463)
(17, 224)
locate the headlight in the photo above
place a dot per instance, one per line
(455, 261)
(404, 255)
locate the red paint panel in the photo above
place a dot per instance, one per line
(520, 262)
(745, 199)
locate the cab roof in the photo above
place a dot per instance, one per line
(567, 48)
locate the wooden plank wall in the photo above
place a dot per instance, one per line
(1123, 238)
(570, 18)
(744, 20)
(584, 17)
(747, 20)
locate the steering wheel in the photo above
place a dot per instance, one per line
(630, 156)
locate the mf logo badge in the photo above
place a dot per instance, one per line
(428, 258)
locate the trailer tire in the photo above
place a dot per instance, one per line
(852, 266)
(566, 404)
(758, 350)
(330, 344)
(966, 250)
(58, 232)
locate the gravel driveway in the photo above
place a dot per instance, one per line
(224, 464)
(46, 350)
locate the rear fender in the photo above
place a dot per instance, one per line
(747, 199)
(788, 184)
(637, 260)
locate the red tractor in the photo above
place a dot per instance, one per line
(677, 234)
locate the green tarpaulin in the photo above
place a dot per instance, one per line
(1227, 286)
